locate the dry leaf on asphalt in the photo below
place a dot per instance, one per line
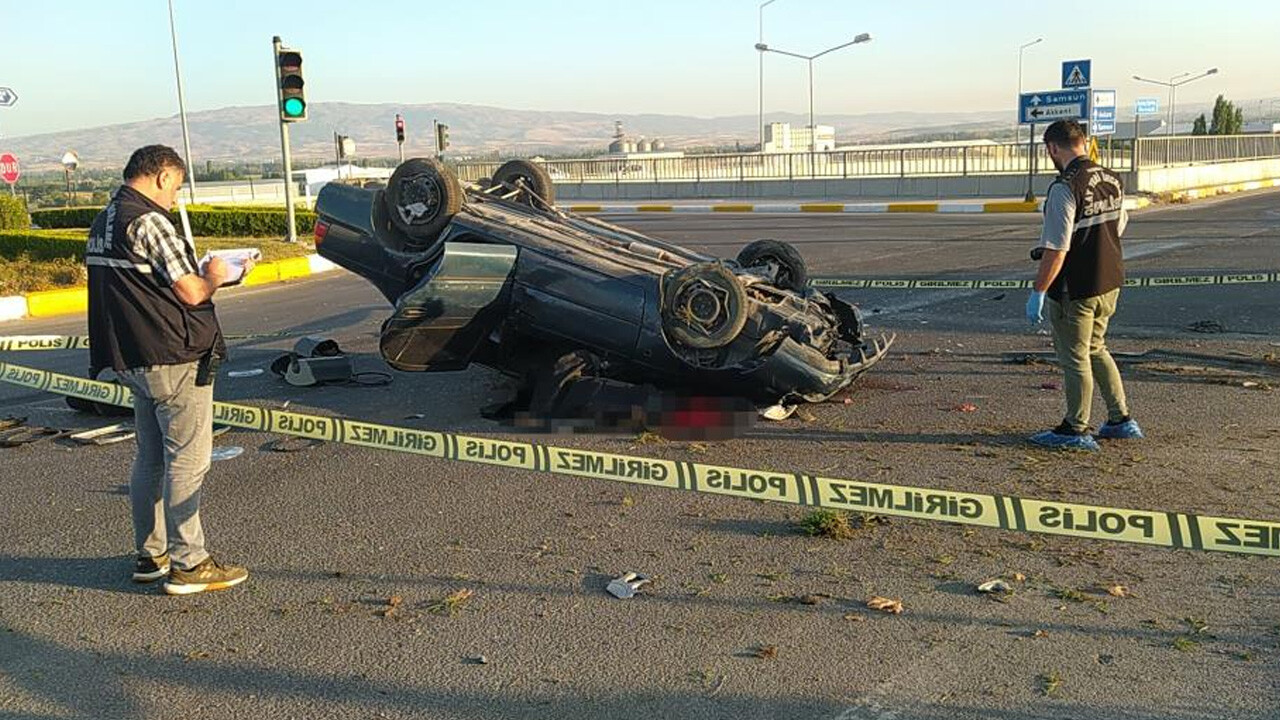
(1119, 591)
(885, 604)
(966, 408)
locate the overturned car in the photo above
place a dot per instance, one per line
(494, 273)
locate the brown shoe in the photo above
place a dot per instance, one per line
(208, 575)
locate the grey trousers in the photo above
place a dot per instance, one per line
(174, 420)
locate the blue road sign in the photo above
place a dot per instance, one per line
(1147, 106)
(1041, 107)
(1102, 113)
(1077, 74)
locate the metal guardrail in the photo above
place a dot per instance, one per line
(950, 161)
(1154, 152)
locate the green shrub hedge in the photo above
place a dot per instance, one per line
(13, 213)
(42, 244)
(206, 220)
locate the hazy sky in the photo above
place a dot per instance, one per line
(82, 63)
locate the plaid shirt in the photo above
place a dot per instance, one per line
(153, 237)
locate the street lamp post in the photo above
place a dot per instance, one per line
(70, 161)
(1021, 48)
(182, 109)
(813, 134)
(1173, 84)
(760, 124)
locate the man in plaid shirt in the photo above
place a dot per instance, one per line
(151, 319)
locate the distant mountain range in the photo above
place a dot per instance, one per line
(251, 133)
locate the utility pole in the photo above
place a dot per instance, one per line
(182, 109)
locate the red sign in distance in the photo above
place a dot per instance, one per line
(9, 168)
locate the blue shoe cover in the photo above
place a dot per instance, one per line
(1051, 439)
(1127, 430)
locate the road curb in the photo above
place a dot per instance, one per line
(1213, 190)
(69, 301)
(998, 206)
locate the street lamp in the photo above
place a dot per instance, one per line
(1021, 48)
(70, 161)
(1173, 84)
(857, 40)
(182, 109)
(760, 124)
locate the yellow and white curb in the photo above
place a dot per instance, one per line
(998, 206)
(1205, 192)
(48, 303)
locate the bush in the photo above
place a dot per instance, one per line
(13, 213)
(77, 217)
(42, 244)
(206, 220)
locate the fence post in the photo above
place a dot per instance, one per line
(790, 173)
(964, 161)
(742, 169)
(902, 162)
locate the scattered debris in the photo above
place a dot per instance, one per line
(226, 452)
(625, 586)
(764, 652)
(893, 607)
(1050, 386)
(477, 660)
(452, 603)
(855, 617)
(1119, 591)
(1185, 644)
(966, 408)
(995, 586)
(1207, 326)
(244, 373)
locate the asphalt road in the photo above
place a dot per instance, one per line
(333, 534)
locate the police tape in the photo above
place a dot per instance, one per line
(1006, 512)
(18, 343)
(970, 284)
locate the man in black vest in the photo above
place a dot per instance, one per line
(1081, 272)
(152, 321)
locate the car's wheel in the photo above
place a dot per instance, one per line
(789, 270)
(703, 306)
(422, 197)
(525, 175)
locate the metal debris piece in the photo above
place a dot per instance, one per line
(994, 586)
(626, 585)
(226, 452)
(244, 373)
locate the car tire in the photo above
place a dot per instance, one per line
(703, 306)
(534, 177)
(792, 273)
(421, 198)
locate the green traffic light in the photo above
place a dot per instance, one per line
(294, 107)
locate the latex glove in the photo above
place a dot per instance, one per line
(1035, 307)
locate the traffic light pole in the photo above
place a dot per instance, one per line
(288, 159)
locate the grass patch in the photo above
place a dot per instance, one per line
(836, 524)
(32, 269)
(1050, 683)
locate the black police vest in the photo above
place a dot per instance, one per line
(1095, 262)
(135, 319)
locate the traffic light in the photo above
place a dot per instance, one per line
(442, 137)
(399, 128)
(293, 100)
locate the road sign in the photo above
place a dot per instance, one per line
(7, 97)
(1076, 74)
(1147, 106)
(1052, 105)
(9, 168)
(1102, 113)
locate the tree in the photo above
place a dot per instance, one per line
(1227, 118)
(1200, 127)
